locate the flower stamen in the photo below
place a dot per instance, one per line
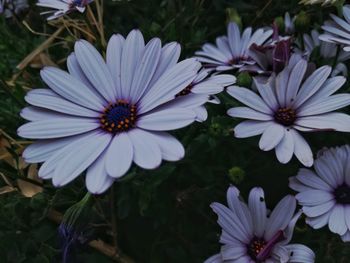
(118, 117)
(285, 116)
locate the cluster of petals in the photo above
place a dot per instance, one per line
(232, 51)
(103, 115)
(290, 103)
(62, 7)
(251, 234)
(324, 193)
(338, 30)
(327, 51)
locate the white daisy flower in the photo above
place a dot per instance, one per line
(232, 51)
(250, 235)
(102, 116)
(338, 30)
(325, 192)
(288, 104)
(62, 7)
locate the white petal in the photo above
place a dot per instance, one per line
(71, 88)
(95, 69)
(57, 127)
(314, 197)
(280, 216)
(302, 149)
(248, 113)
(285, 149)
(271, 137)
(80, 158)
(251, 128)
(257, 208)
(165, 120)
(312, 85)
(318, 222)
(337, 220)
(300, 253)
(231, 252)
(317, 210)
(48, 99)
(145, 69)
(97, 180)
(113, 60)
(119, 155)
(147, 153)
(174, 80)
(132, 50)
(170, 147)
(249, 98)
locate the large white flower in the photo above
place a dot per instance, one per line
(251, 235)
(102, 116)
(288, 104)
(338, 30)
(325, 192)
(232, 51)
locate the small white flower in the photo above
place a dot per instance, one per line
(250, 235)
(325, 192)
(63, 7)
(288, 104)
(232, 51)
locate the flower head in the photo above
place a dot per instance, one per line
(232, 51)
(325, 192)
(338, 30)
(288, 104)
(63, 7)
(102, 116)
(250, 235)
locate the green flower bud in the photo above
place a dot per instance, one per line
(302, 22)
(236, 175)
(233, 16)
(244, 79)
(279, 21)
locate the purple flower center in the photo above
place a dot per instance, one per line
(285, 116)
(185, 91)
(255, 246)
(342, 194)
(118, 117)
(260, 250)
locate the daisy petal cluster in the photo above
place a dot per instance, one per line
(232, 51)
(288, 104)
(326, 51)
(338, 30)
(102, 116)
(62, 7)
(250, 234)
(324, 192)
(206, 84)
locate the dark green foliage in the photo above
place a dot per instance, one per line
(162, 215)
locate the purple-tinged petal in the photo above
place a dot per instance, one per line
(257, 207)
(285, 149)
(337, 220)
(271, 137)
(119, 155)
(251, 128)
